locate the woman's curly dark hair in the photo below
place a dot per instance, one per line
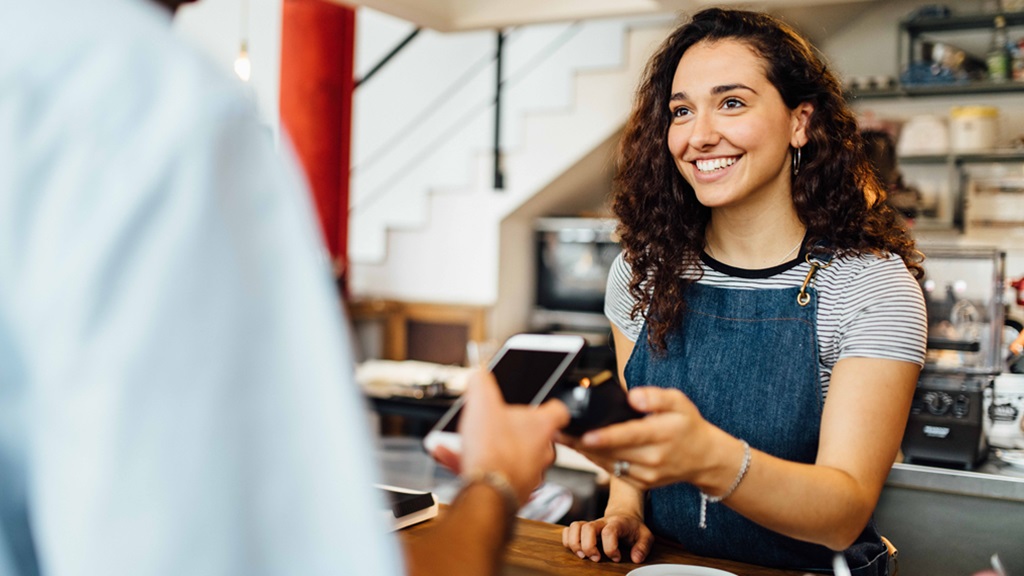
(836, 193)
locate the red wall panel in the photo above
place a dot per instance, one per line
(317, 46)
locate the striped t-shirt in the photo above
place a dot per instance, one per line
(867, 306)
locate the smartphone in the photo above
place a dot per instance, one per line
(527, 368)
(597, 401)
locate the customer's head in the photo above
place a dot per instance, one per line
(173, 5)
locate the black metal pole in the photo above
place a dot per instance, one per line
(387, 57)
(499, 176)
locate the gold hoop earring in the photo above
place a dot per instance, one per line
(796, 161)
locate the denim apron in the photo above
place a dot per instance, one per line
(748, 359)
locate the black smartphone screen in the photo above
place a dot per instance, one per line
(521, 374)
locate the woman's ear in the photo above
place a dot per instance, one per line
(801, 120)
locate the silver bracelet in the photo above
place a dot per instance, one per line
(705, 499)
(498, 482)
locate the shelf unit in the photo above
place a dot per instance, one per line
(954, 166)
(912, 30)
(914, 27)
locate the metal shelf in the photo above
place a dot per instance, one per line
(911, 31)
(961, 22)
(936, 90)
(1009, 155)
(918, 159)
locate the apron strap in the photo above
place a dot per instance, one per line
(803, 298)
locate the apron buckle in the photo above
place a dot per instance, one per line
(803, 298)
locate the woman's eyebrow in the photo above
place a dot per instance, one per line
(716, 90)
(730, 87)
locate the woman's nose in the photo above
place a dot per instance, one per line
(703, 132)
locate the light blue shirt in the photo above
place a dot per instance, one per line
(176, 389)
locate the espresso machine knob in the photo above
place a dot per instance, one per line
(962, 406)
(937, 403)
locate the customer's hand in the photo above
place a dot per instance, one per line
(671, 444)
(616, 533)
(514, 440)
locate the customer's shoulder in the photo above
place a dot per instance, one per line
(104, 51)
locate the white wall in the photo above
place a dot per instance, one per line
(465, 250)
(423, 131)
(584, 189)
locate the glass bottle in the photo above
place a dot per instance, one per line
(998, 58)
(1017, 62)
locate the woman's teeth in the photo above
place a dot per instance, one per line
(715, 164)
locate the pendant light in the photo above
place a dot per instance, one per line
(243, 66)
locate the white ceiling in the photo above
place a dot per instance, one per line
(811, 16)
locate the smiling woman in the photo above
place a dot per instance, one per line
(730, 138)
(764, 301)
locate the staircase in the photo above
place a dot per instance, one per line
(425, 216)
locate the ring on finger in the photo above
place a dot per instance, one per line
(620, 469)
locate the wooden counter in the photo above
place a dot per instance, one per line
(537, 549)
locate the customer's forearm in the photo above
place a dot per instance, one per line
(468, 540)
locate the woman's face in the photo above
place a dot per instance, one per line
(731, 132)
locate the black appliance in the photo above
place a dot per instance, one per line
(963, 289)
(573, 258)
(947, 423)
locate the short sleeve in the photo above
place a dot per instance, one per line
(883, 314)
(618, 302)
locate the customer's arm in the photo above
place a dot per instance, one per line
(505, 452)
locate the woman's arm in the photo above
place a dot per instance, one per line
(623, 350)
(827, 502)
(623, 498)
(623, 518)
(862, 425)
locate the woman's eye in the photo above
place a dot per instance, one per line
(732, 103)
(680, 112)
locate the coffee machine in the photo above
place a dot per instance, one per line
(963, 289)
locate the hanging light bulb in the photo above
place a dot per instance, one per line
(243, 66)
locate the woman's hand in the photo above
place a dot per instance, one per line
(617, 532)
(673, 443)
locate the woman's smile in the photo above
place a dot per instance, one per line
(707, 171)
(707, 166)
